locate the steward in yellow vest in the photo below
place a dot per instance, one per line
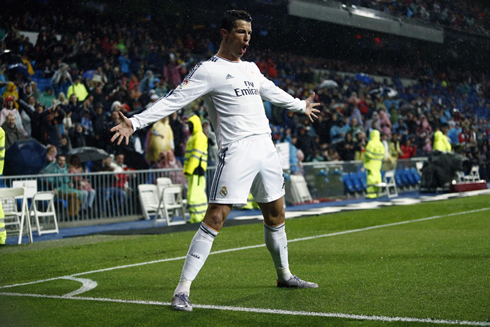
(195, 165)
(373, 159)
(441, 143)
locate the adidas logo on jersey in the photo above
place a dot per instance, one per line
(229, 76)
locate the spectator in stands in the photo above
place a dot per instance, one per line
(463, 137)
(332, 154)
(78, 89)
(12, 133)
(81, 183)
(408, 150)
(161, 88)
(305, 144)
(99, 122)
(65, 145)
(87, 125)
(25, 92)
(35, 91)
(10, 110)
(160, 138)
(412, 124)
(78, 136)
(147, 83)
(123, 179)
(337, 132)
(384, 123)
(454, 132)
(61, 79)
(168, 161)
(107, 189)
(423, 129)
(394, 151)
(51, 119)
(400, 128)
(354, 126)
(346, 148)
(11, 92)
(47, 97)
(372, 123)
(63, 186)
(360, 146)
(51, 153)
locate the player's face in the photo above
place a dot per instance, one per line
(238, 39)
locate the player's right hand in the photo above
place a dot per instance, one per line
(123, 130)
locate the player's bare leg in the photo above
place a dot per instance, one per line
(199, 250)
(277, 244)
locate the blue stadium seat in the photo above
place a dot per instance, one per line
(411, 179)
(415, 174)
(356, 181)
(363, 178)
(348, 184)
(398, 178)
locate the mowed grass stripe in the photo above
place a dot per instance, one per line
(270, 311)
(252, 246)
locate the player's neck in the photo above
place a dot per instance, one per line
(227, 55)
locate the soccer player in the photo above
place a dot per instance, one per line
(233, 90)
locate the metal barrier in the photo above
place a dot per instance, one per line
(115, 195)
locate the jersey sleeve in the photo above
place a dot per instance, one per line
(197, 83)
(277, 96)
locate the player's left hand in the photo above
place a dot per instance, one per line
(310, 110)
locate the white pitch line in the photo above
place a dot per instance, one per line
(251, 246)
(270, 311)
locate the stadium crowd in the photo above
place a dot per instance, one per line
(462, 15)
(91, 71)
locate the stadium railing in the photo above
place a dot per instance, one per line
(117, 198)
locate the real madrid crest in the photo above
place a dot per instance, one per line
(224, 191)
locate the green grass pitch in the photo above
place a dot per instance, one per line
(406, 271)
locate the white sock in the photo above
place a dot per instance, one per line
(277, 244)
(196, 256)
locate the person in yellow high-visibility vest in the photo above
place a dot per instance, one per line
(441, 143)
(3, 232)
(195, 165)
(373, 159)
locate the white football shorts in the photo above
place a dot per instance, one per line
(248, 165)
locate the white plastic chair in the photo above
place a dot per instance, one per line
(164, 182)
(148, 194)
(21, 219)
(50, 212)
(388, 186)
(473, 176)
(30, 186)
(170, 203)
(299, 189)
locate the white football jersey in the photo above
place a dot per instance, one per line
(232, 92)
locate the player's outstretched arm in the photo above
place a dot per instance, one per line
(310, 110)
(123, 130)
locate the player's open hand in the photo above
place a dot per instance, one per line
(123, 130)
(310, 110)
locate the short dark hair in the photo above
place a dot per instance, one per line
(231, 16)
